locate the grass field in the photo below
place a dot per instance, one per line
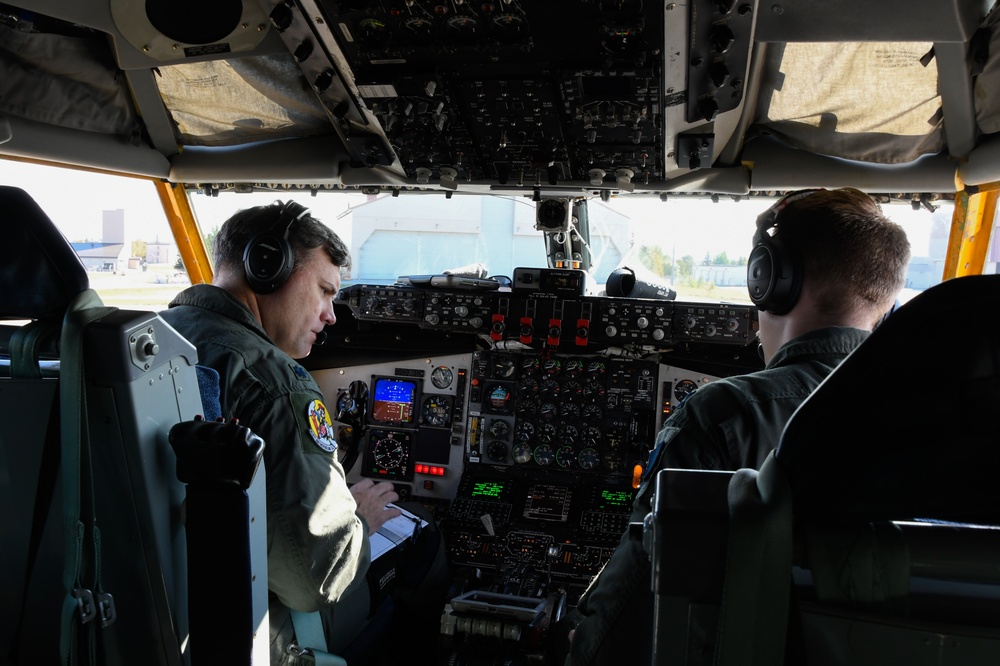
(151, 289)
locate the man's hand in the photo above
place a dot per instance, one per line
(372, 498)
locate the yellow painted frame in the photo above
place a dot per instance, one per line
(971, 227)
(184, 227)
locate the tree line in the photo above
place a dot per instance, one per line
(653, 258)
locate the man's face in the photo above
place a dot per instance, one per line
(302, 307)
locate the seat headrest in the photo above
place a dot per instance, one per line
(905, 427)
(39, 271)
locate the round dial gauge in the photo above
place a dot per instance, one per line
(573, 366)
(569, 410)
(593, 390)
(374, 32)
(527, 405)
(592, 412)
(588, 458)
(442, 377)
(498, 398)
(524, 431)
(500, 429)
(388, 453)
(463, 25)
(529, 365)
(552, 366)
(568, 434)
(347, 407)
(566, 456)
(496, 451)
(436, 411)
(684, 389)
(509, 27)
(544, 455)
(418, 26)
(549, 386)
(521, 453)
(528, 384)
(572, 390)
(546, 433)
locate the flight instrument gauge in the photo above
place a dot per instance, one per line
(387, 455)
(566, 456)
(588, 458)
(684, 389)
(522, 453)
(544, 455)
(436, 411)
(442, 377)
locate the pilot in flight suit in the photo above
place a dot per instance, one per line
(317, 527)
(848, 264)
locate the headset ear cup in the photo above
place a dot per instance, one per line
(760, 275)
(268, 258)
(267, 261)
(774, 276)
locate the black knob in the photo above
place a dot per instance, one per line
(721, 39)
(281, 17)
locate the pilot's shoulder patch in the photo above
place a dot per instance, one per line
(320, 426)
(299, 371)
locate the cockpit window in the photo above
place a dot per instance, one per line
(692, 245)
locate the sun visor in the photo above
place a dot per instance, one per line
(63, 80)
(228, 102)
(870, 101)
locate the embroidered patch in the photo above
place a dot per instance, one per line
(299, 371)
(320, 427)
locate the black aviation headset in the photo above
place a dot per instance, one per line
(774, 270)
(268, 258)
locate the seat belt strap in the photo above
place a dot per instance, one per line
(85, 601)
(309, 634)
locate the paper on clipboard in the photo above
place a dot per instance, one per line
(395, 532)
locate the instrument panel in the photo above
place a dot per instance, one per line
(525, 94)
(528, 455)
(578, 324)
(586, 413)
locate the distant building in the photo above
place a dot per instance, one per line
(110, 254)
(722, 276)
(160, 253)
(418, 236)
(110, 257)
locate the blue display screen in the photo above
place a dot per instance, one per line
(392, 400)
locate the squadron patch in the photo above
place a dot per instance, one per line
(320, 427)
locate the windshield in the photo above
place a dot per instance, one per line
(693, 245)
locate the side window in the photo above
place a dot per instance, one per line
(117, 227)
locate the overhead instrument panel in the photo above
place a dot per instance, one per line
(517, 92)
(610, 94)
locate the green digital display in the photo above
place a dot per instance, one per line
(490, 489)
(616, 499)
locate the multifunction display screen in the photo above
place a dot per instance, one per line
(392, 400)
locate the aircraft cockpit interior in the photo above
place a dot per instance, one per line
(509, 337)
(524, 416)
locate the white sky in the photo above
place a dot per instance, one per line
(75, 201)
